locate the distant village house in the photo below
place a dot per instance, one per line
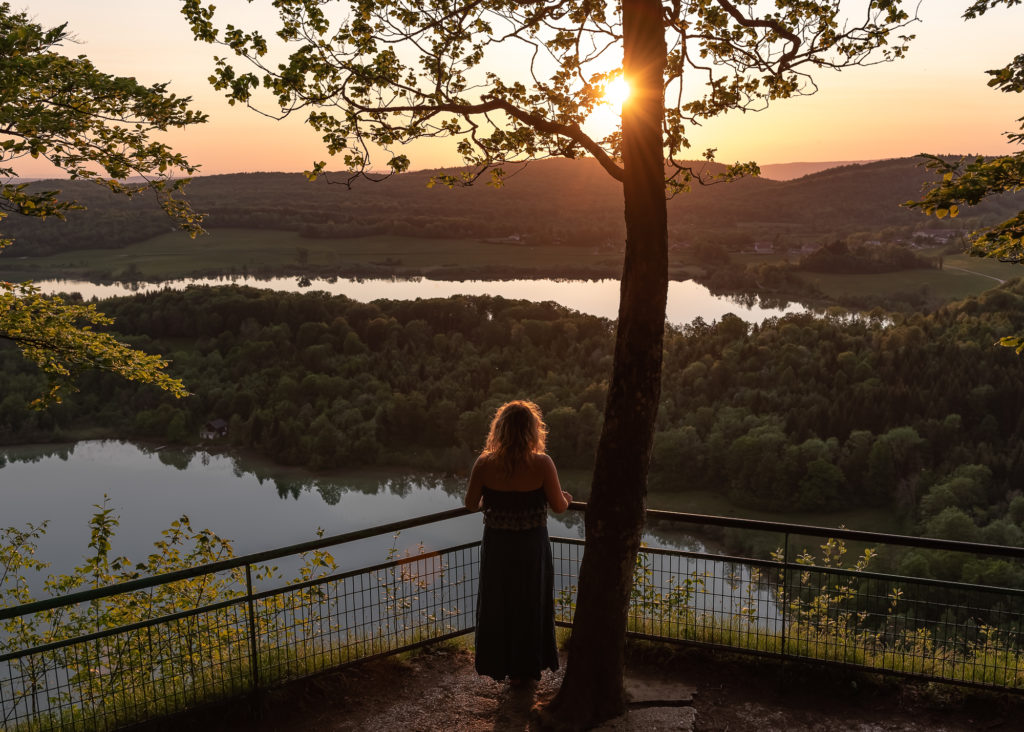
(942, 236)
(214, 429)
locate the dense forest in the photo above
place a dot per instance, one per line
(567, 202)
(918, 413)
(838, 257)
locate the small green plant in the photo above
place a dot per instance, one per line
(135, 655)
(654, 605)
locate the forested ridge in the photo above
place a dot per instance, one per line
(555, 201)
(918, 413)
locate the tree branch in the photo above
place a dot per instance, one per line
(772, 25)
(539, 123)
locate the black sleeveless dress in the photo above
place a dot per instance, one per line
(515, 610)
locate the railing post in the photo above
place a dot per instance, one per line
(253, 651)
(785, 591)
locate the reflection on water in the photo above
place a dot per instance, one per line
(257, 506)
(254, 503)
(686, 300)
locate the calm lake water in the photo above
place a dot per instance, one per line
(261, 506)
(257, 505)
(686, 300)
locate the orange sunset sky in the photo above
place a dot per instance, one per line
(934, 101)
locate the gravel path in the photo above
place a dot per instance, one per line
(438, 691)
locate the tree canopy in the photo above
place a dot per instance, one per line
(968, 182)
(513, 81)
(93, 126)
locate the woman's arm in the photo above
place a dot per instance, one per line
(475, 492)
(558, 499)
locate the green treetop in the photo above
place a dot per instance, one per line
(96, 127)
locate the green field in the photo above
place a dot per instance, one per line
(961, 276)
(252, 251)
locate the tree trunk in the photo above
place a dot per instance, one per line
(592, 690)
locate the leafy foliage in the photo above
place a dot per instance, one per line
(50, 333)
(393, 71)
(95, 127)
(92, 125)
(133, 654)
(839, 257)
(967, 183)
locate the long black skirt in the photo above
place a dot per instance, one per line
(515, 609)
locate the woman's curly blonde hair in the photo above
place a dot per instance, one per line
(517, 431)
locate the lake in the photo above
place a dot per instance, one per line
(261, 506)
(256, 504)
(686, 300)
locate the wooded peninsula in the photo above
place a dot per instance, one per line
(918, 414)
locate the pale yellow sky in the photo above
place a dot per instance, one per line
(935, 101)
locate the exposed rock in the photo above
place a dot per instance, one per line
(652, 719)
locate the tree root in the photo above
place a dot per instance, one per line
(569, 712)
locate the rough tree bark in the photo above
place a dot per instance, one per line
(592, 690)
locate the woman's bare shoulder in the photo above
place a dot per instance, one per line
(484, 464)
(543, 461)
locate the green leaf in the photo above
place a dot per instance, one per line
(95, 127)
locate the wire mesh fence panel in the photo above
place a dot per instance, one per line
(566, 555)
(119, 676)
(337, 620)
(947, 631)
(121, 659)
(941, 630)
(684, 596)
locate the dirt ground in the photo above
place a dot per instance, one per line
(438, 690)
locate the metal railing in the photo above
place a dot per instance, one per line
(817, 601)
(109, 657)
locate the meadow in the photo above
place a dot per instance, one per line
(255, 251)
(961, 276)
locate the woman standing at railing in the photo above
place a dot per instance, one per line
(514, 482)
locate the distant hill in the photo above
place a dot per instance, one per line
(789, 171)
(570, 202)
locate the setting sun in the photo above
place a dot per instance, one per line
(616, 91)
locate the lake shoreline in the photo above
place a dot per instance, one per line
(575, 479)
(687, 299)
(307, 279)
